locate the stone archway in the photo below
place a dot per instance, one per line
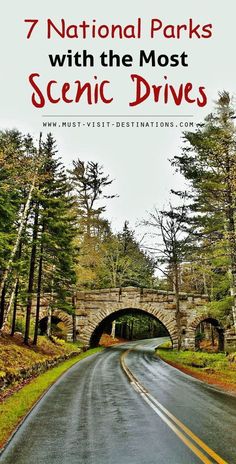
(167, 322)
(107, 321)
(61, 316)
(92, 306)
(215, 323)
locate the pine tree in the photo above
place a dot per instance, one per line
(208, 162)
(124, 262)
(17, 156)
(89, 183)
(56, 250)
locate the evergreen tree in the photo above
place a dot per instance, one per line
(89, 183)
(18, 172)
(124, 263)
(208, 162)
(56, 250)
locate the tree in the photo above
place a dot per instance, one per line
(134, 326)
(17, 153)
(125, 263)
(208, 162)
(37, 246)
(171, 249)
(56, 251)
(89, 182)
(31, 273)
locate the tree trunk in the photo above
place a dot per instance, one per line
(49, 324)
(31, 275)
(122, 329)
(7, 270)
(13, 326)
(230, 211)
(39, 285)
(74, 335)
(125, 330)
(113, 330)
(7, 312)
(233, 294)
(177, 313)
(131, 329)
(118, 330)
(205, 289)
(74, 317)
(221, 340)
(212, 336)
(2, 305)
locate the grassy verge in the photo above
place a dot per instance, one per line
(214, 368)
(14, 408)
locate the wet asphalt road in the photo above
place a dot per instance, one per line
(94, 415)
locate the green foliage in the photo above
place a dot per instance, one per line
(166, 345)
(105, 259)
(58, 225)
(138, 326)
(208, 163)
(221, 309)
(200, 336)
(124, 263)
(45, 252)
(215, 361)
(17, 164)
(89, 182)
(66, 241)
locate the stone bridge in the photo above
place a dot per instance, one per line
(95, 307)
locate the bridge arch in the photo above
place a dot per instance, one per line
(106, 316)
(93, 306)
(214, 323)
(58, 316)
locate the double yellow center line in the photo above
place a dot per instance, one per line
(192, 441)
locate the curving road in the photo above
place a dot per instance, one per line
(125, 406)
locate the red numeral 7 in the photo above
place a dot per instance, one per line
(34, 22)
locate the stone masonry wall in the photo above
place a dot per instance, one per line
(94, 306)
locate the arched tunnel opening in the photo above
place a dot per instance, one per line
(209, 335)
(127, 325)
(58, 327)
